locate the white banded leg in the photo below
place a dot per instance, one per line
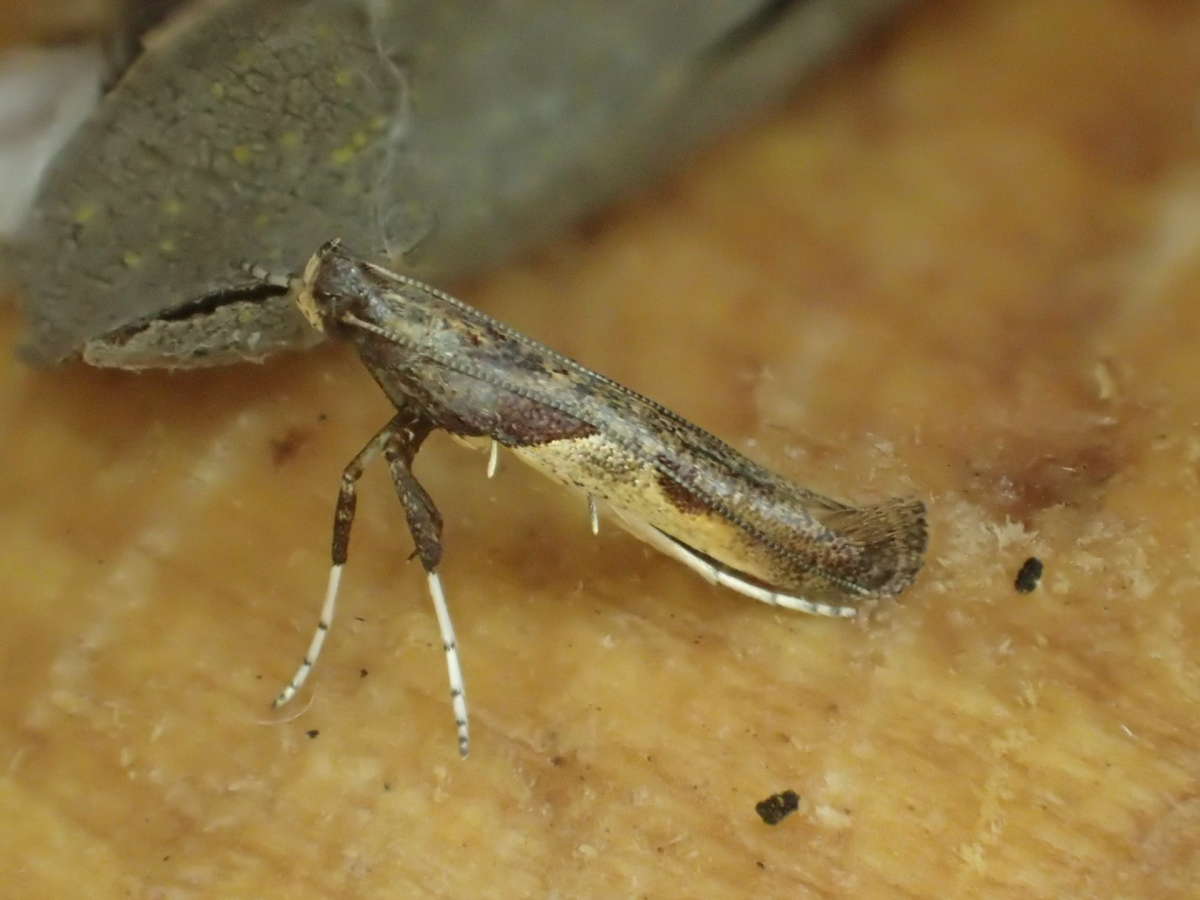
(426, 526)
(493, 459)
(458, 690)
(343, 518)
(717, 574)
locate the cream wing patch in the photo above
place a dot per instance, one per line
(600, 468)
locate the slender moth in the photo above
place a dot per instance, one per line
(444, 364)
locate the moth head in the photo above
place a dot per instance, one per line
(333, 287)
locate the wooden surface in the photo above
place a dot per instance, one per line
(964, 265)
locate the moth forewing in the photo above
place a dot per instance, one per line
(446, 365)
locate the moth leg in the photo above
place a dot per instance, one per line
(728, 578)
(343, 518)
(715, 573)
(425, 523)
(594, 514)
(493, 459)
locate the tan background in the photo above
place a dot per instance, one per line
(965, 264)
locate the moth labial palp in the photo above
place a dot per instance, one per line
(446, 365)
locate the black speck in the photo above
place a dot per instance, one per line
(777, 807)
(362, 673)
(1030, 574)
(313, 732)
(760, 863)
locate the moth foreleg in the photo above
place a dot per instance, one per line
(425, 523)
(343, 519)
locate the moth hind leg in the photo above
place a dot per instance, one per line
(425, 523)
(716, 572)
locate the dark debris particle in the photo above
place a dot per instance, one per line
(777, 807)
(313, 732)
(1030, 574)
(362, 673)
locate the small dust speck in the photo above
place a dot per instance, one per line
(313, 732)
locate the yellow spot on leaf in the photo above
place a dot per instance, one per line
(172, 207)
(132, 260)
(289, 139)
(242, 154)
(85, 213)
(217, 89)
(343, 77)
(166, 246)
(341, 156)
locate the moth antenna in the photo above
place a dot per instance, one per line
(493, 459)
(328, 608)
(458, 691)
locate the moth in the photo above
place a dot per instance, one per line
(444, 364)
